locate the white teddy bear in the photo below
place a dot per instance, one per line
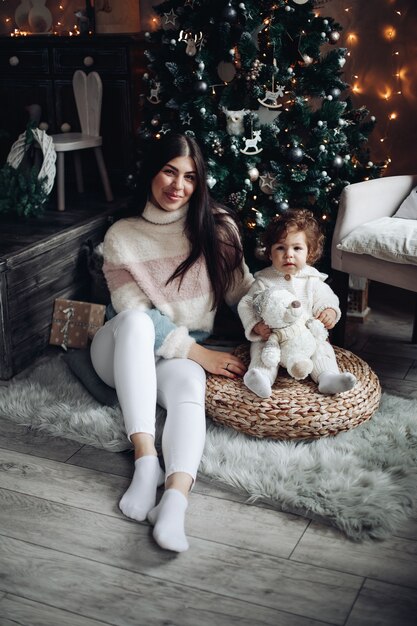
(292, 343)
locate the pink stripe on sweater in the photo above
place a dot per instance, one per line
(151, 277)
(116, 277)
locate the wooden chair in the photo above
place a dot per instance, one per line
(360, 203)
(88, 91)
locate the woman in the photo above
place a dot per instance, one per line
(167, 269)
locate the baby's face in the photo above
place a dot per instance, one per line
(289, 255)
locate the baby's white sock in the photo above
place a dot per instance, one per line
(331, 383)
(168, 519)
(140, 497)
(258, 382)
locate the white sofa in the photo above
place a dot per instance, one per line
(361, 203)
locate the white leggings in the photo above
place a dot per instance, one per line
(122, 353)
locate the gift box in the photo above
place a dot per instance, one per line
(75, 323)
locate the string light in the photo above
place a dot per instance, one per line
(391, 87)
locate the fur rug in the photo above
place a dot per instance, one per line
(363, 481)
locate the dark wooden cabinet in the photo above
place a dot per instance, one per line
(42, 259)
(39, 70)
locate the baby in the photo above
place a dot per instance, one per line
(293, 241)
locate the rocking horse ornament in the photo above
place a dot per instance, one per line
(270, 99)
(154, 96)
(251, 143)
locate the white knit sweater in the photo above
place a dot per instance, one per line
(307, 285)
(140, 254)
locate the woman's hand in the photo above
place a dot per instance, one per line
(263, 330)
(216, 362)
(327, 318)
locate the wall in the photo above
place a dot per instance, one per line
(381, 38)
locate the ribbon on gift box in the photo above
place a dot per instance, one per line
(69, 314)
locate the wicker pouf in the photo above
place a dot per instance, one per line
(295, 410)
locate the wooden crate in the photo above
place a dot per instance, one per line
(40, 260)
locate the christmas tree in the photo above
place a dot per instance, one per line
(259, 84)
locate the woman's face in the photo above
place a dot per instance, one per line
(174, 184)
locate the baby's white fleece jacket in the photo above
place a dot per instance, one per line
(140, 254)
(307, 285)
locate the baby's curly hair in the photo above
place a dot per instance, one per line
(301, 220)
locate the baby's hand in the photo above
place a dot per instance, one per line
(327, 318)
(262, 329)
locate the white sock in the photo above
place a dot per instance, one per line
(168, 519)
(258, 382)
(331, 383)
(140, 497)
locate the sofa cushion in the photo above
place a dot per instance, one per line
(408, 207)
(387, 238)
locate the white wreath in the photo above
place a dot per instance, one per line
(46, 144)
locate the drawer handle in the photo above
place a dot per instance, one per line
(13, 61)
(88, 61)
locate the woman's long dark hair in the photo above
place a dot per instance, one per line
(210, 232)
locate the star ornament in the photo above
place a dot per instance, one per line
(170, 18)
(268, 183)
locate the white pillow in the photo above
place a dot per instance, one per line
(408, 208)
(386, 238)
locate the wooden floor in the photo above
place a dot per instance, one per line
(69, 558)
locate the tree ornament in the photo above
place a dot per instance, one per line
(229, 14)
(320, 123)
(300, 1)
(155, 121)
(334, 36)
(268, 116)
(270, 98)
(251, 143)
(169, 20)
(203, 111)
(200, 87)
(226, 71)
(282, 206)
(154, 95)
(234, 120)
(295, 154)
(335, 92)
(337, 161)
(342, 61)
(268, 183)
(253, 173)
(211, 181)
(193, 41)
(254, 70)
(186, 118)
(307, 60)
(217, 147)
